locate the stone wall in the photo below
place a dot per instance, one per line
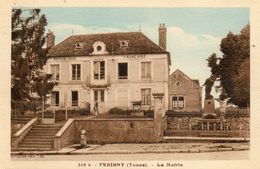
(234, 123)
(65, 136)
(115, 130)
(180, 123)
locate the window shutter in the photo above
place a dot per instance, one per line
(148, 69)
(142, 70)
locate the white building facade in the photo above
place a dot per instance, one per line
(109, 70)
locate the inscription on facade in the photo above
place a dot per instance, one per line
(134, 56)
(64, 58)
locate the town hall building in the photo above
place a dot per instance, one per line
(108, 70)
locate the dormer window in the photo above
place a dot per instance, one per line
(78, 45)
(99, 48)
(123, 43)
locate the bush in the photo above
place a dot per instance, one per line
(118, 111)
(48, 114)
(130, 112)
(149, 113)
(84, 111)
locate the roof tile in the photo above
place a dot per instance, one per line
(138, 43)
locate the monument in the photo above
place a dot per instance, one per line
(209, 104)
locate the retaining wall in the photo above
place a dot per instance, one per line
(115, 130)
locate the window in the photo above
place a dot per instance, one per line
(99, 70)
(123, 43)
(75, 71)
(177, 83)
(75, 98)
(122, 71)
(55, 98)
(181, 102)
(99, 48)
(55, 71)
(146, 70)
(99, 95)
(175, 102)
(146, 96)
(178, 102)
(78, 45)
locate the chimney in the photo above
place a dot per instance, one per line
(162, 36)
(50, 39)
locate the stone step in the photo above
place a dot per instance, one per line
(39, 141)
(45, 129)
(48, 125)
(31, 149)
(43, 132)
(39, 147)
(36, 145)
(39, 137)
(36, 141)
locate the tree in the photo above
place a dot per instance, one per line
(242, 87)
(28, 55)
(229, 70)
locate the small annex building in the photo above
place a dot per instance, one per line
(184, 93)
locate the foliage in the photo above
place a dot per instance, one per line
(242, 87)
(233, 77)
(28, 55)
(118, 111)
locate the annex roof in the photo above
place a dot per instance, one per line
(194, 81)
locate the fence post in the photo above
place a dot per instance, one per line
(158, 115)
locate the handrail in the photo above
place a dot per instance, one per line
(64, 128)
(25, 127)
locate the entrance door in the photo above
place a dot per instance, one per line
(99, 101)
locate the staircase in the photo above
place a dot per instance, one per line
(40, 138)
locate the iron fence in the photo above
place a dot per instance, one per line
(127, 113)
(173, 113)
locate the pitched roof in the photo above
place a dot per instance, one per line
(138, 43)
(194, 81)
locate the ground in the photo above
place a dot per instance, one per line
(223, 155)
(158, 151)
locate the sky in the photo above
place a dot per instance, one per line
(193, 34)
